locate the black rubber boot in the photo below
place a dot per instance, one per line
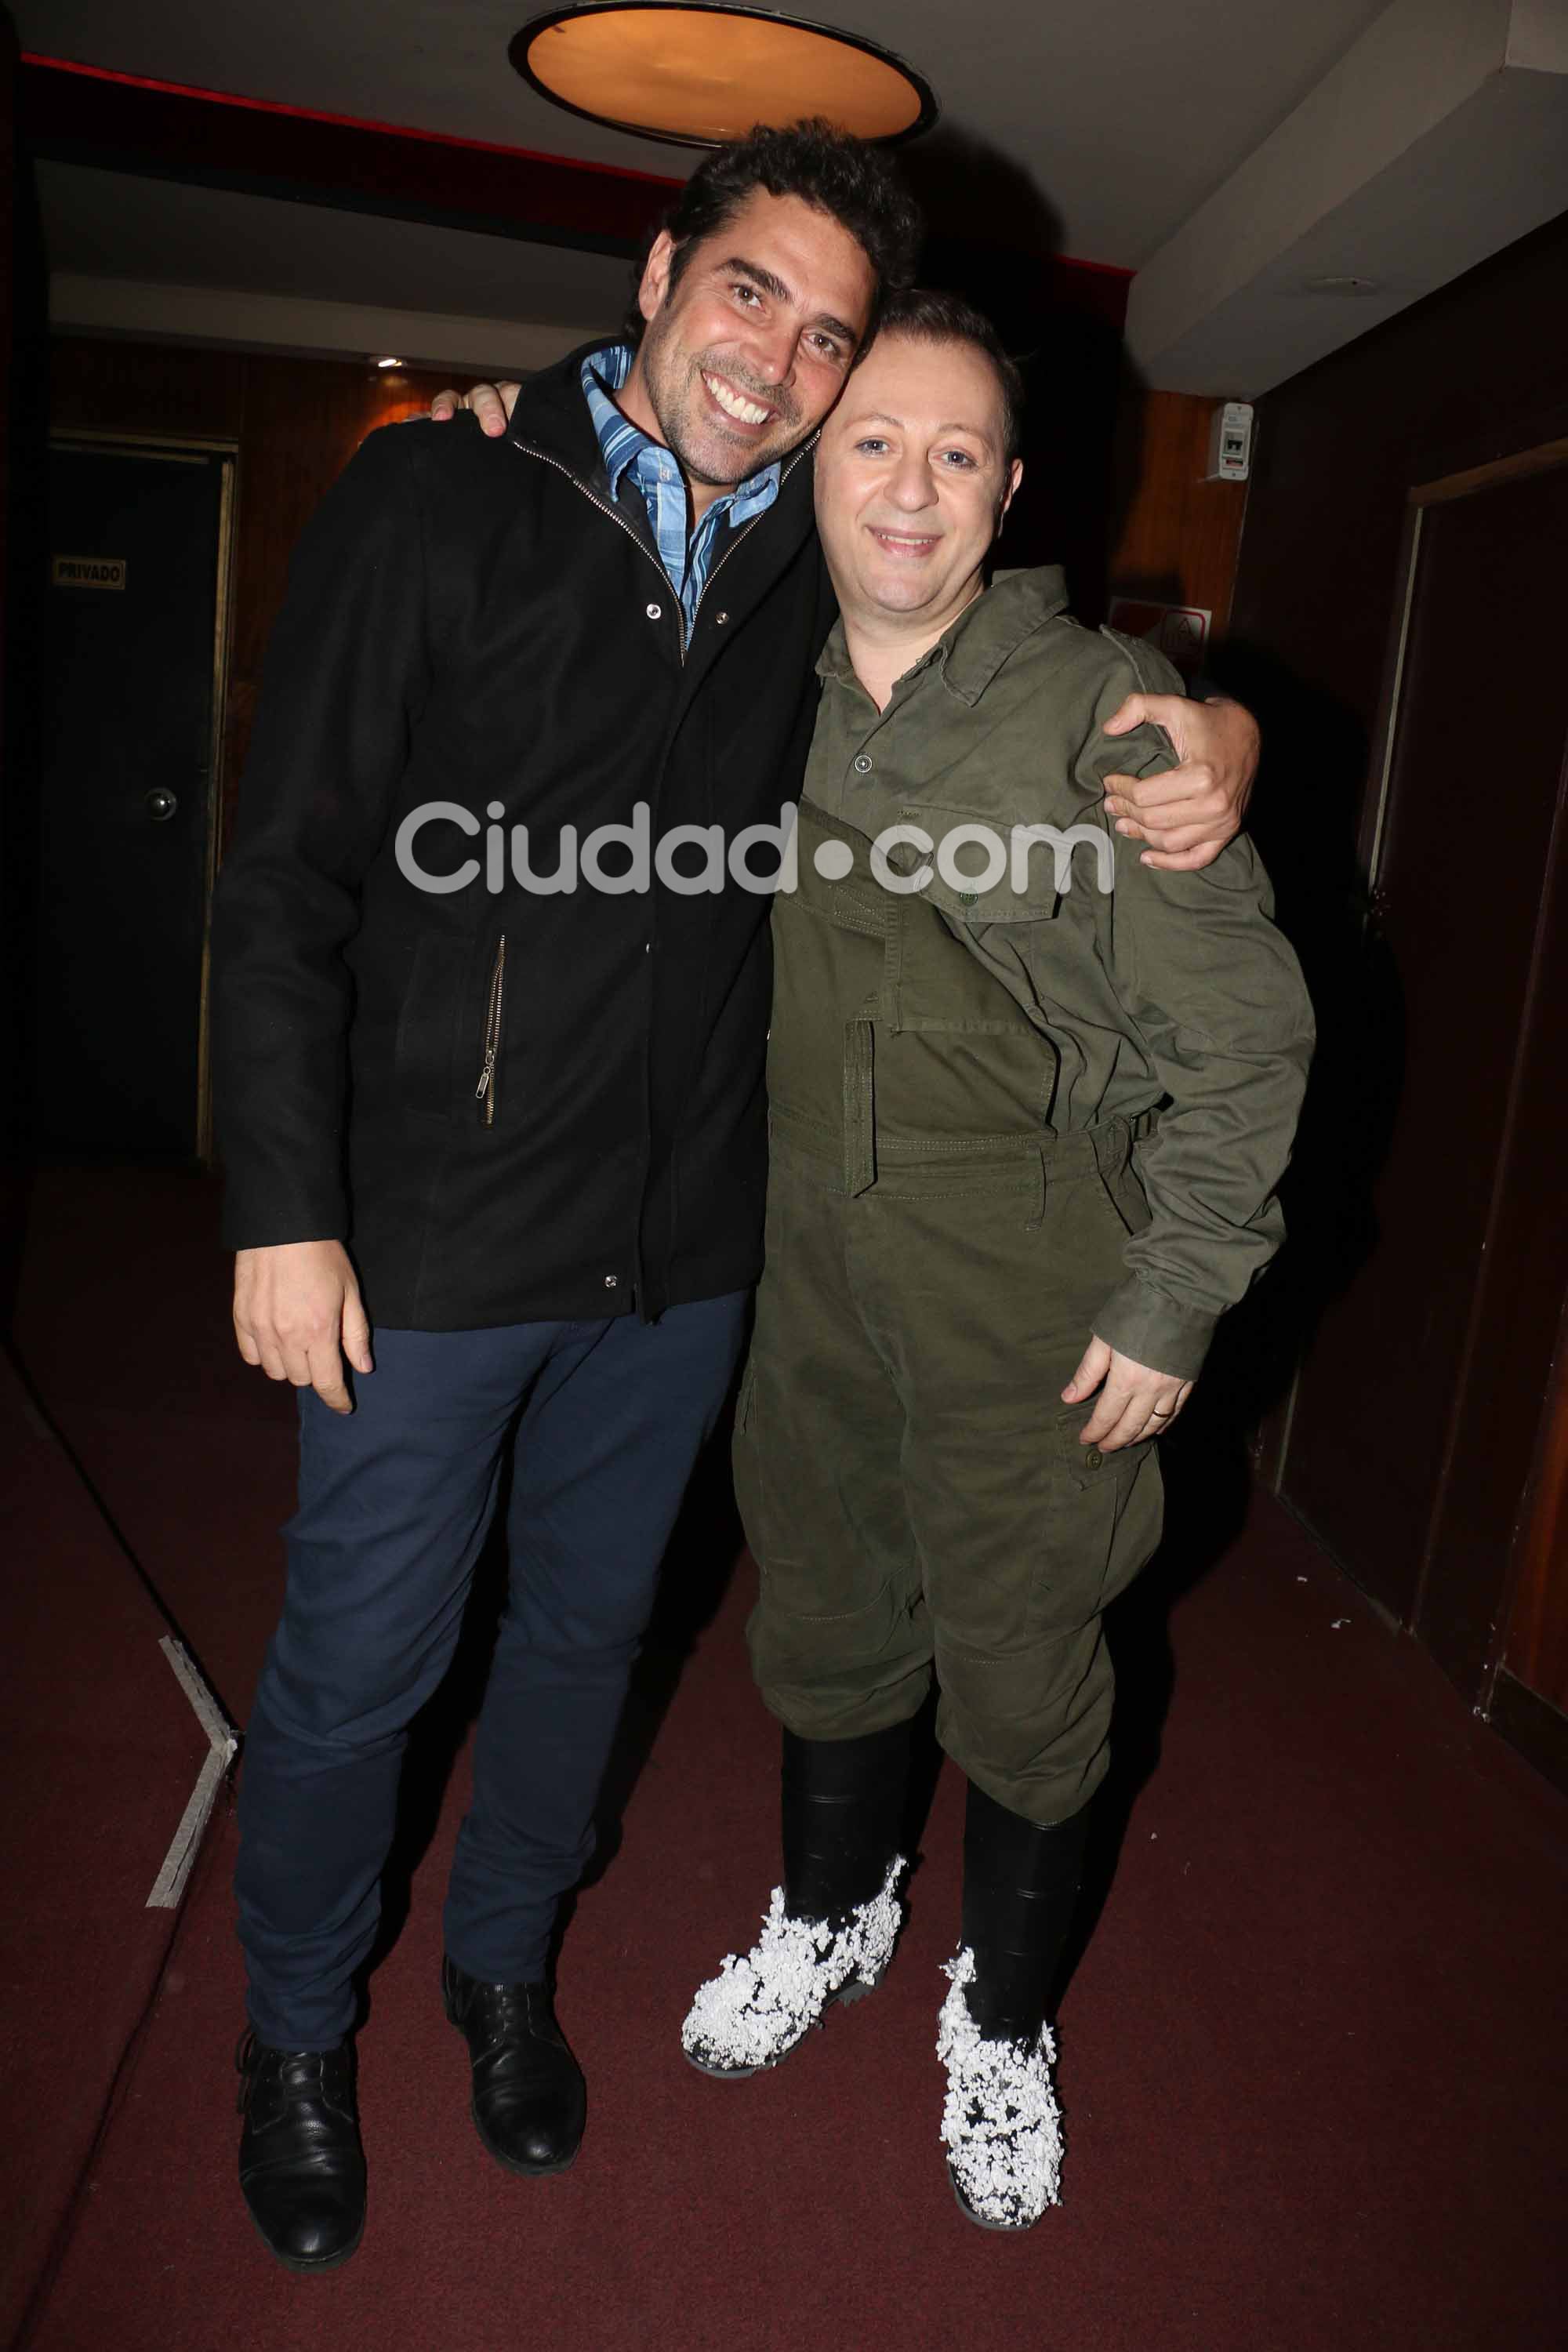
(842, 1803)
(828, 1933)
(1000, 2120)
(1020, 1887)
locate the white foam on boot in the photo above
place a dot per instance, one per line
(1000, 2119)
(762, 2003)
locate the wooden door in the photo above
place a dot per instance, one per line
(1417, 1407)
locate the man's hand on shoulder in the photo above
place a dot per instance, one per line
(492, 403)
(1187, 814)
(296, 1313)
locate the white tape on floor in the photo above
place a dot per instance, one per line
(222, 1742)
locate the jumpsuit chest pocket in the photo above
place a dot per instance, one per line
(971, 876)
(888, 1024)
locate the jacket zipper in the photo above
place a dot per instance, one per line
(714, 570)
(484, 1092)
(594, 499)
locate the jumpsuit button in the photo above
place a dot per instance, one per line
(1094, 1458)
(653, 612)
(612, 1282)
(863, 764)
(719, 619)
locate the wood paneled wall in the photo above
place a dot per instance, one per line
(1175, 537)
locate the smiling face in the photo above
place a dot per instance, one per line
(741, 361)
(912, 480)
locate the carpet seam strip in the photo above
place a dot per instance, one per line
(223, 1744)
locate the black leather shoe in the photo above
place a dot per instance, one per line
(529, 2100)
(301, 2168)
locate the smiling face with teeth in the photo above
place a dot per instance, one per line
(746, 354)
(912, 482)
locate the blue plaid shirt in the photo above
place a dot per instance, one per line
(626, 448)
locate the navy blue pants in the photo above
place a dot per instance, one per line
(604, 1422)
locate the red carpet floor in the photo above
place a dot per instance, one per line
(1314, 2057)
(99, 1753)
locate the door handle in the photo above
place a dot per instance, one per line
(159, 804)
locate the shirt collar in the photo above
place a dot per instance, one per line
(972, 649)
(624, 443)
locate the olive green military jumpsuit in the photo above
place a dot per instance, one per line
(1003, 1119)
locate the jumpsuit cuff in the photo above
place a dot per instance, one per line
(1139, 1321)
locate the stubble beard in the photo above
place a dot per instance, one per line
(675, 393)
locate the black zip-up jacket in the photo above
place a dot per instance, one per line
(512, 1106)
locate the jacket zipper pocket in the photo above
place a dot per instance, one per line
(484, 1092)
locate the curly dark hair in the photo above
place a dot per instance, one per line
(927, 317)
(857, 185)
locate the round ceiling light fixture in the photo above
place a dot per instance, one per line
(699, 76)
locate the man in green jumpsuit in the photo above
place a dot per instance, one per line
(1030, 1097)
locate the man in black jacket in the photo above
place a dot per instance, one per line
(519, 1131)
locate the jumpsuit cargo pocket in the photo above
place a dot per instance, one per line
(1106, 1512)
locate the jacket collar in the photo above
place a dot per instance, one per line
(552, 417)
(972, 650)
